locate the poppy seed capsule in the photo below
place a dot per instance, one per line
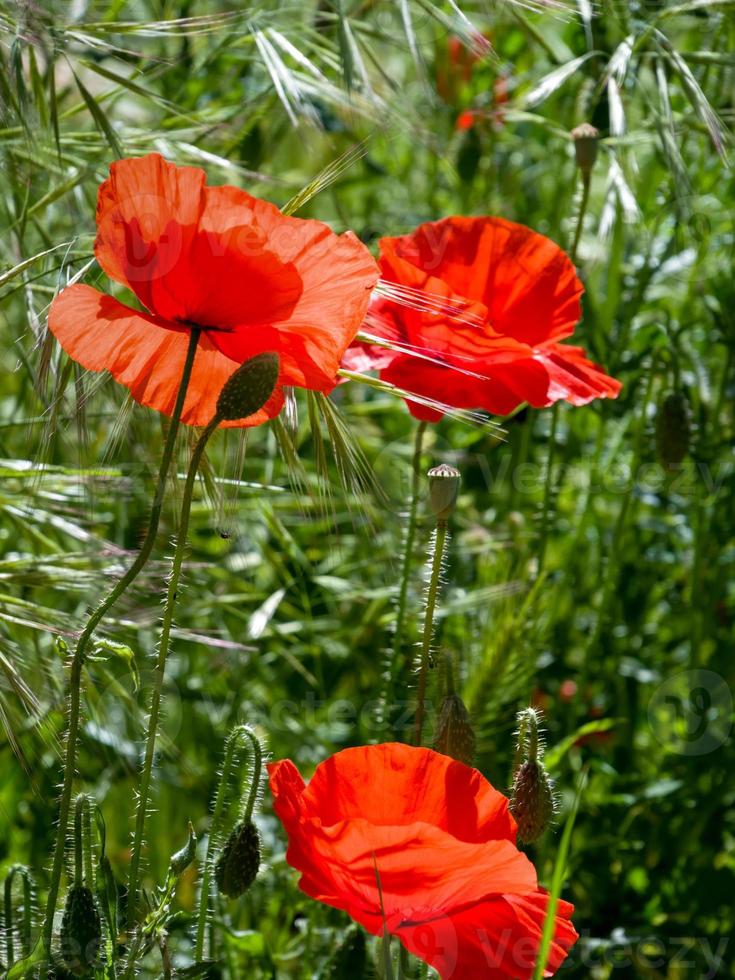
(672, 430)
(455, 735)
(248, 389)
(239, 860)
(81, 931)
(444, 483)
(586, 139)
(532, 800)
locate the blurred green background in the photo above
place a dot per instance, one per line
(626, 641)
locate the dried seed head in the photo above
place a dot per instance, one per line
(455, 735)
(444, 481)
(673, 429)
(239, 860)
(586, 140)
(249, 388)
(81, 931)
(532, 800)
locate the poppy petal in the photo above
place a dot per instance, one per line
(337, 275)
(497, 939)
(528, 284)
(573, 377)
(146, 355)
(395, 784)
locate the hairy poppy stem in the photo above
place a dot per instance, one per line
(436, 552)
(77, 663)
(236, 736)
(168, 615)
(398, 635)
(549, 478)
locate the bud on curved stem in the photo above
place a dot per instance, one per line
(25, 925)
(244, 844)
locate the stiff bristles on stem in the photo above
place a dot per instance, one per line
(436, 557)
(77, 663)
(160, 669)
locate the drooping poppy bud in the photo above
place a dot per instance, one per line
(249, 388)
(586, 140)
(239, 861)
(81, 931)
(444, 481)
(673, 429)
(532, 800)
(455, 735)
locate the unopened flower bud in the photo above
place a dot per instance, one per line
(350, 957)
(532, 800)
(81, 931)
(444, 483)
(239, 861)
(586, 139)
(181, 860)
(673, 430)
(248, 389)
(455, 735)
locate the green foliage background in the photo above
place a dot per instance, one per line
(294, 556)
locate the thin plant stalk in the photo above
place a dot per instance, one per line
(398, 634)
(160, 669)
(235, 737)
(436, 559)
(77, 663)
(549, 478)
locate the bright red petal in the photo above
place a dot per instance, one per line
(337, 275)
(573, 378)
(146, 355)
(394, 785)
(497, 939)
(527, 283)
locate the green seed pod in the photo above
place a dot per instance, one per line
(350, 957)
(673, 429)
(532, 800)
(586, 139)
(239, 860)
(455, 735)
(249, 388)
(444, 484)
(81, 931)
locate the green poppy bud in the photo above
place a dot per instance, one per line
(248, 389)
(455, 735)
(239, 860)
(444, 481)
(532, 800)
(586, 139)
(81, 931)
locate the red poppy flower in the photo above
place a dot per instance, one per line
(497, 299)
(411, 840)
(216, 258)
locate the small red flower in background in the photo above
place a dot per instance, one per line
(216, 258)
(455, 890)
(497, 300)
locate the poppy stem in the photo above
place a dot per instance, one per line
(158, 678)
(77, 663)
(436, 557)
(233, 739)
(398, 635)
(548, 481)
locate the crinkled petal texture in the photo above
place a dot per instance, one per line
(426, 842)
(217, 258)
(475, 315)
(146, 355)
